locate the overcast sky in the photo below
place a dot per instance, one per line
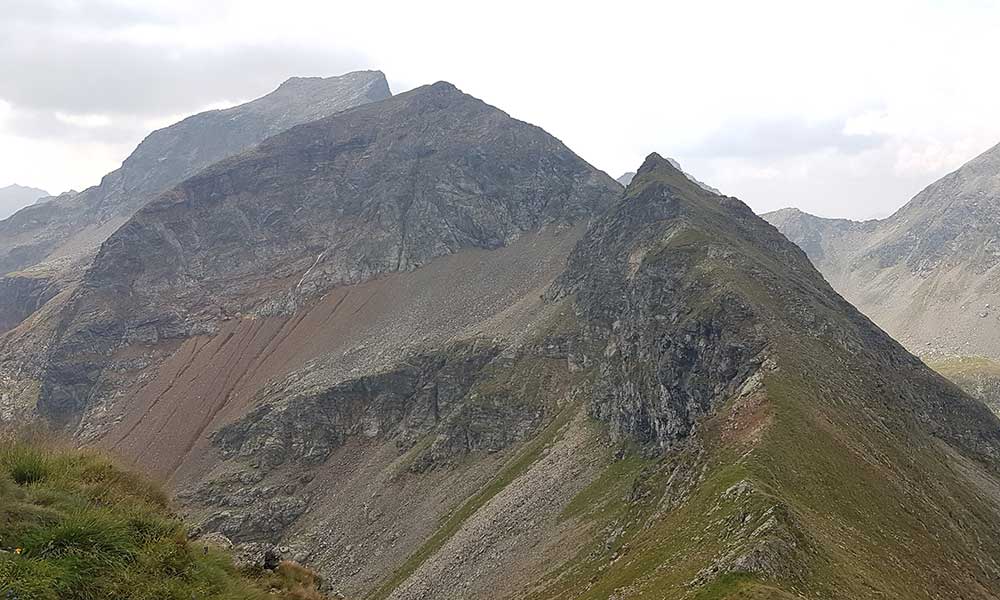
(840, 108)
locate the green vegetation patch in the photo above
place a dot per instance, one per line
(73, 526)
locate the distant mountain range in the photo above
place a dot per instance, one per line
(427, 350)
(930, 273)
(15, 197)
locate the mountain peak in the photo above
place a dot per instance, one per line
(654, 162)
(444, 86)
(15, 197)
(669, 169)
(666, 170)
(370, 85)
(300, 82)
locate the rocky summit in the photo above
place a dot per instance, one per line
(428, 351)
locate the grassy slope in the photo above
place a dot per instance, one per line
(866, 506)
(74, 526)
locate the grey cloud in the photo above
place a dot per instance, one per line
(37, 124)
(120, 78)
(54, 58)
(102, 13)
(777, 138)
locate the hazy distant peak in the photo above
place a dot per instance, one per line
(22, 189)
(700, 184)
(14, 197)
(305, 84)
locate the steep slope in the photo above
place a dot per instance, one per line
(806, 454)
(52, 244)
(15, 197)
(357, 287)
(756, 437)
(380, 189)
(927, 274)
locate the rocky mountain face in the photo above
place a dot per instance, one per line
(427, 350)
(721, 349)
(15, 197)
(499, 380)
(337, 201)
(927, 274)
(46, 247)
(626, 178)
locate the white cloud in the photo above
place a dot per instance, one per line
(89, 121)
